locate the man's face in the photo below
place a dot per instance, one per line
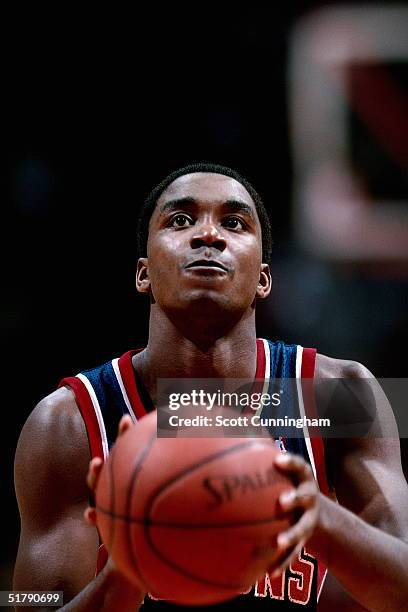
(204, 246)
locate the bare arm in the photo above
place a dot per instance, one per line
(363, 539)
(57, 549)
(365, 536)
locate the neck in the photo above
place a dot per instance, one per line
(212, 352)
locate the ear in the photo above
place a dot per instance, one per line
(142, 276)
(265, 282)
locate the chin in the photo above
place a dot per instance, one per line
(211, 302)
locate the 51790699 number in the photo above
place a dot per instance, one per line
(31, 598)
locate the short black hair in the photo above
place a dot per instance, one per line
(151, 201)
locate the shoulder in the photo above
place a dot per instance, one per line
(354, 400)
(56, 423)
(363, 448)
(329, 367)
(52, 451)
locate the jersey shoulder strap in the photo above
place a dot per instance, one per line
(103, 396)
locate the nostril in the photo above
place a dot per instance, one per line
(215, 242)
(208, 236)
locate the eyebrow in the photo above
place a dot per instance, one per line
(171, 205)
(189, 202)
(240, 206)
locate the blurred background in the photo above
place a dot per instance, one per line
(308, 100)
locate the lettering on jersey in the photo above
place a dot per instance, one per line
(247, 591)
(274, 587)
(300, 586)
(296, 581)
(157, 598)
(226, 488)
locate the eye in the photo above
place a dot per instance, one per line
(181, 220)
(233, 223)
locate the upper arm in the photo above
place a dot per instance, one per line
(57, 550)
(366, 471)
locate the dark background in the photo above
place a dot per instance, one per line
(97, 108)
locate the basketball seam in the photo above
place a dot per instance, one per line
(149, 541)
(136, 472)
(150, 523)
(201, 463)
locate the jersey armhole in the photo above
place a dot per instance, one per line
(87, 411)
(317, 443)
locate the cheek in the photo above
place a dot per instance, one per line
(163, 259)
(167, 245)
(249, 281)
(249, 263)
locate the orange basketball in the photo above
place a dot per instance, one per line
(193, 521)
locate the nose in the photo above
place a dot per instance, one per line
(208, 234)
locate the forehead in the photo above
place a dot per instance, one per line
(206, 186)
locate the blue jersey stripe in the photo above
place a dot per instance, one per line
(283, 365)
(105, 384)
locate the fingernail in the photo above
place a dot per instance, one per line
(282, 541)
(276, 573)
(287, 497)
(282, 458)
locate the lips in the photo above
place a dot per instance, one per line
(206, 263)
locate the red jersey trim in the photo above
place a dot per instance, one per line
(307, 372)
(260, 359)
(87, 411)
(308, 363)
(128, 376)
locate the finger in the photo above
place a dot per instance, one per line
(94, 470)
(124, 424)
(303, 497)
(90, 516)
(300, 532)
(295, 466)
(281, 556)
(291, 558)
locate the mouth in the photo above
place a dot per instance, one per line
(206, 264)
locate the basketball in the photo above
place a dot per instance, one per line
(193, 521)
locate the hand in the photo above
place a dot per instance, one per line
(94, 470)
(303, 501)
(122, 594)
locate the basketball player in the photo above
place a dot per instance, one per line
(205, 244)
